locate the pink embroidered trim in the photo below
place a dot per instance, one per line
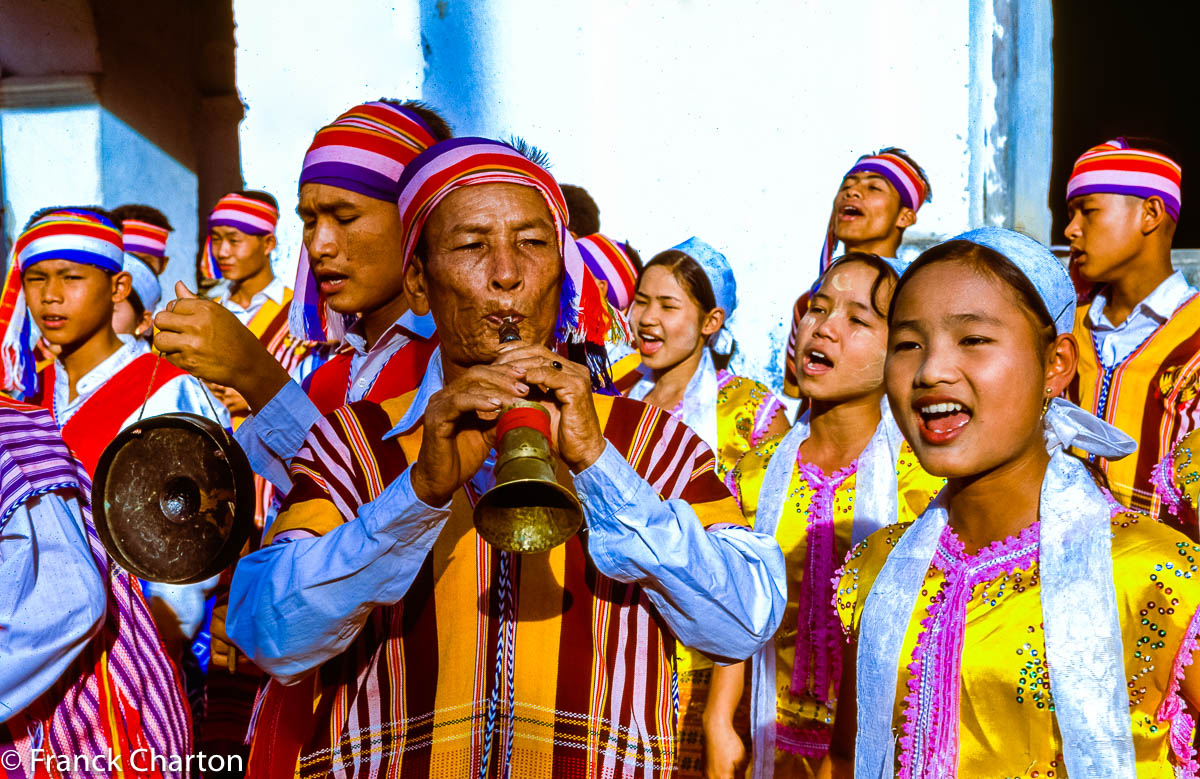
(1173, 709)
(805, 742)
(929, 746)
(1162, 478)
(819, 644)
(763, 416)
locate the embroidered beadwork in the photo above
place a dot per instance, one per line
(819, 635)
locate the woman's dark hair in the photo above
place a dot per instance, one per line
(883, 273)
(690, 275)
(990, 263)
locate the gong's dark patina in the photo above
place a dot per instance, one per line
(173, 499)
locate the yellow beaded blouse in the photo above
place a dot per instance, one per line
(815, 534)
(1006, 708)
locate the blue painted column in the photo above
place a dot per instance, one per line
(460, 80)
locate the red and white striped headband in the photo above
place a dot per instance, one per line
(144, 238)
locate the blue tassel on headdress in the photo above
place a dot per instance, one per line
(566, 330)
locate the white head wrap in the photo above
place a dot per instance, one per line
(724, 287)
(145, 281)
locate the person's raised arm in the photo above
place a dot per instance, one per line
(209, 342)
(721, 590)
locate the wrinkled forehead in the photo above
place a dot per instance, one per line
(490, 206)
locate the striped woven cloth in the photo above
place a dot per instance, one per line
(122, 693)
(588, 683)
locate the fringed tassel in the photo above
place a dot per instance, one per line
(566, 330)
(208, 264)
(19, 377)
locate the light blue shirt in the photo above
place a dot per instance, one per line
(1117, 342)
(272, 437)
(53, 598)
(295, 605)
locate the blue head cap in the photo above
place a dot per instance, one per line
(716, 267)
(720, 276)
(1046, 272)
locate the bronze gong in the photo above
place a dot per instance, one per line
(173, 499)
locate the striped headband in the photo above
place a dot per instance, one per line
(610, 261)
(1117, 168)
(904, 177)
(363, 151)
(74, 235)
(250, 216)
(584, 316)
(144, 238)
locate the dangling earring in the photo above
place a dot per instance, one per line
(1046, 402)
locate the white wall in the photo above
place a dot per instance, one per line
(300, 65)
(731, 121)
(51, 158)
(83, 155)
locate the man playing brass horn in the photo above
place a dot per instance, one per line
(399, 641)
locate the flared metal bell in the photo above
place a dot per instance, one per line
(173, 499)
(527, 511)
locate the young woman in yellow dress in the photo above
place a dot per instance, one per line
(842, 472)
(1026, 624)
(684, 297)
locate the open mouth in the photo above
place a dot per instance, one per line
(849, 212)
(330, 282)
(816, 363)
(1077, 254)
(942, 420)
(648, 343)
(53, 322)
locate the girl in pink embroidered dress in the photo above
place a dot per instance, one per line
(1031, 626)
(814, 489)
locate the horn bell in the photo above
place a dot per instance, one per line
(527, 511)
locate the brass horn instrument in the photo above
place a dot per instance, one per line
(527, 510)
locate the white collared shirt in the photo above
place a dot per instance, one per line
(366, 364)
(275, 291)
(1116, 342)
(182, 393)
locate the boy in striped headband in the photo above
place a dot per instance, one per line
(434, 653)
(349, 292)
(241, 237)
(878, 200)
(349, 289)
(67, 267)
(144, 233)
(1139, 338)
